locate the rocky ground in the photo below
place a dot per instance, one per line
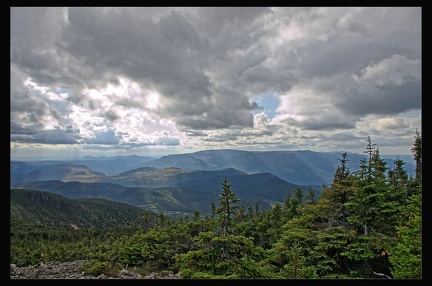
(69, 270)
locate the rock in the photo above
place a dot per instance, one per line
(70, 270)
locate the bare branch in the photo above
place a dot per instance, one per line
(382, 274)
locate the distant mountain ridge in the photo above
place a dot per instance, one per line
(181, 183)
(176, 191)
(106, 165)
(298, 167)
(62, 172)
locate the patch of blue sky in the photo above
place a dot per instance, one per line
(269, 101)
(62, 90)
(411, 113)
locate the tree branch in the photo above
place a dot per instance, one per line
(382, 274)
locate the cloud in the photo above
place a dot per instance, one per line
(46, 137)
(394, 71)
(224, 76)
(107, 137)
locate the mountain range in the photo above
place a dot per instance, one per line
(182, 183)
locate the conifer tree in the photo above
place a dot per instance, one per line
(229, 205)
(213, 210)
(406, 254)
(338, 191)
(311, 196)
(250, 213)
(373, 212)
(196, 216)
(417, 152)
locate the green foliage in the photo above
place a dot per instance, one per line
(50, 209)
(307, 248)
(221, 256)
(417, 153)
(364, 223)
(406, 255)
(229, 205)
(94, 267)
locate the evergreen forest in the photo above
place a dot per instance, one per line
(366, 224)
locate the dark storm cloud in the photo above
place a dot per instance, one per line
(120, 75)
(168, 55)
(111, 115)
(46, 137)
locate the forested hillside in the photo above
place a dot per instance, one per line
(48, 209)
(366, 224)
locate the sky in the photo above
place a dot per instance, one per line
(151, 81)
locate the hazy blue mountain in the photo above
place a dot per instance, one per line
(298, 167)
(146, 177)
(181, 183)
(176, 191)
(107, 165)
(62, 172)
(183, 161)
(77, 190)
(217, 159)
(19, 167)
(113, 165)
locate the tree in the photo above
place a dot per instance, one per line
(363, 204)
(213, 210)
(398, 175)
(370, 148)
(311, 196)
(223, 256)
(417, 152)
(229, 205)
(336, 195)
(196, 216)
(406, 255)
(292, 205)
(250, 213)
(298, 194)
(374, 213)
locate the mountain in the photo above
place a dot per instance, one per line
(299, 167)
(45, 208)
(18, 167)
(107, 165)
(112, 165)
(63, 172)
(183, 161)
(176, 191)
(183, 183)
(146, 177)
(217, 159)
(77, 190)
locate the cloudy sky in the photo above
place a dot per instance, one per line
(154, 81)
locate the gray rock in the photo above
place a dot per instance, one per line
(70, 270)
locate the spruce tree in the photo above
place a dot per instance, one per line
(373, 212)
(417, 153)
(229, 205)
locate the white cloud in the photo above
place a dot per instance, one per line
(396, 70)
(197, 77)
